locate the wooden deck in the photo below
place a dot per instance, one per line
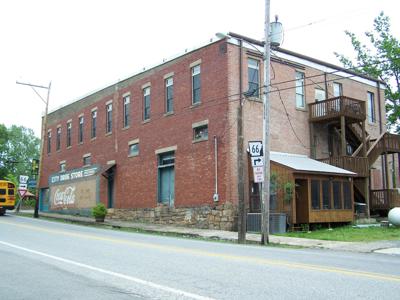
(359, 165)
(334, 108)
(384, 199)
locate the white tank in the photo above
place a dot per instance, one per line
(276, 30)
(394, 216)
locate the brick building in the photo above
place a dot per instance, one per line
(161, 145)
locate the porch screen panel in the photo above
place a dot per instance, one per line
(315, 192)
(347, 195)
(326, 194)
(337, 195)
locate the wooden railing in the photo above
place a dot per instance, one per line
(384, 199)
(386, 143)
(357, 165)
(337, 107)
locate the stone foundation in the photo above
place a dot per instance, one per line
(223, 217)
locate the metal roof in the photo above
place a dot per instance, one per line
(303, 163)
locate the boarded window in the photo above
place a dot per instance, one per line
(347, 195)
(326, 194)
(337, 195)
(315, 203)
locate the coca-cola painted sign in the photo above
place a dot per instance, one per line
(64, 196)
(74, 195)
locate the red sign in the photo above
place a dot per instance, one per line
(22, 192)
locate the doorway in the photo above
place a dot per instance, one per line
(166, 178)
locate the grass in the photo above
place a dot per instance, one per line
(350, 234)
(154, 232)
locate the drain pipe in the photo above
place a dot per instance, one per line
(216, 196)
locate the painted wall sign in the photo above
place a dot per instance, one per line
(73, 195)
(73, 175)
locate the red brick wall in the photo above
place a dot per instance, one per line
(136, 177)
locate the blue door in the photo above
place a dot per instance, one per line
(166, 178)
(44, 199)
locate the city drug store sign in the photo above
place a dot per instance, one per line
(75, 189)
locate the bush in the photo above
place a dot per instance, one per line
(99, 211)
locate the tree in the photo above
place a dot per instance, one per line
(18, 146)
(381, 61)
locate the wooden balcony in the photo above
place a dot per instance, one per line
(334, 108)
(384, 199)
(359, 165)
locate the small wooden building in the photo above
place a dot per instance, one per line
(309, 191)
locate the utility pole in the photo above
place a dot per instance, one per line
(44, 123)
(266, 129)
(242, 215)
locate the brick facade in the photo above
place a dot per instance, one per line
(136, 183)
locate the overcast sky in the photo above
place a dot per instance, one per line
(85, 45)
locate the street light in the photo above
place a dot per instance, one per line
(44, 123)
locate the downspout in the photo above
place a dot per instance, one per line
(383, 161)
(216, 196)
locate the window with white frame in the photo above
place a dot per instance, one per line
(69, 129)
(49, 141)
(146, 103)
(300, 99)
(337, 89)
(169, 95)
(127, 110)
(87, 160)
(371, 107)
(196, 84)
(133, 149)
(94, 124)
(63, 166)
(319, 95)
(200, 133)
(58, 139)
(253, 67)
(80, 133)
(109, 118)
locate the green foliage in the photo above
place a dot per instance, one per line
(381, 61)
(350, 234)
(99, 211)
(288, 188)
(18, 146)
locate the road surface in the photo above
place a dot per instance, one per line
(50, 260)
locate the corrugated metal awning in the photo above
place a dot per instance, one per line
(302, 163)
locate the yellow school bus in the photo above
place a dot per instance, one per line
(7, 196)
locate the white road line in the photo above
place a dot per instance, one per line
(111, 273)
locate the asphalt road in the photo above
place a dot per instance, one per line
(50, 260)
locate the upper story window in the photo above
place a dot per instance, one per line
(127, 110)
(169, 95)
(300, 99)
(253, 67)
(87, 159)
(63, 166)
(337, 89)
(196, 84)
(109, 118)
(94, 124)
(48, 141)
(371, 107)
(319, 95)
(58, 139)
(200, 131)
(133, 149)
(80, 133)
(69, 128)
(146, 103)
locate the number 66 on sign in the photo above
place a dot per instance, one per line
(255, 148)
